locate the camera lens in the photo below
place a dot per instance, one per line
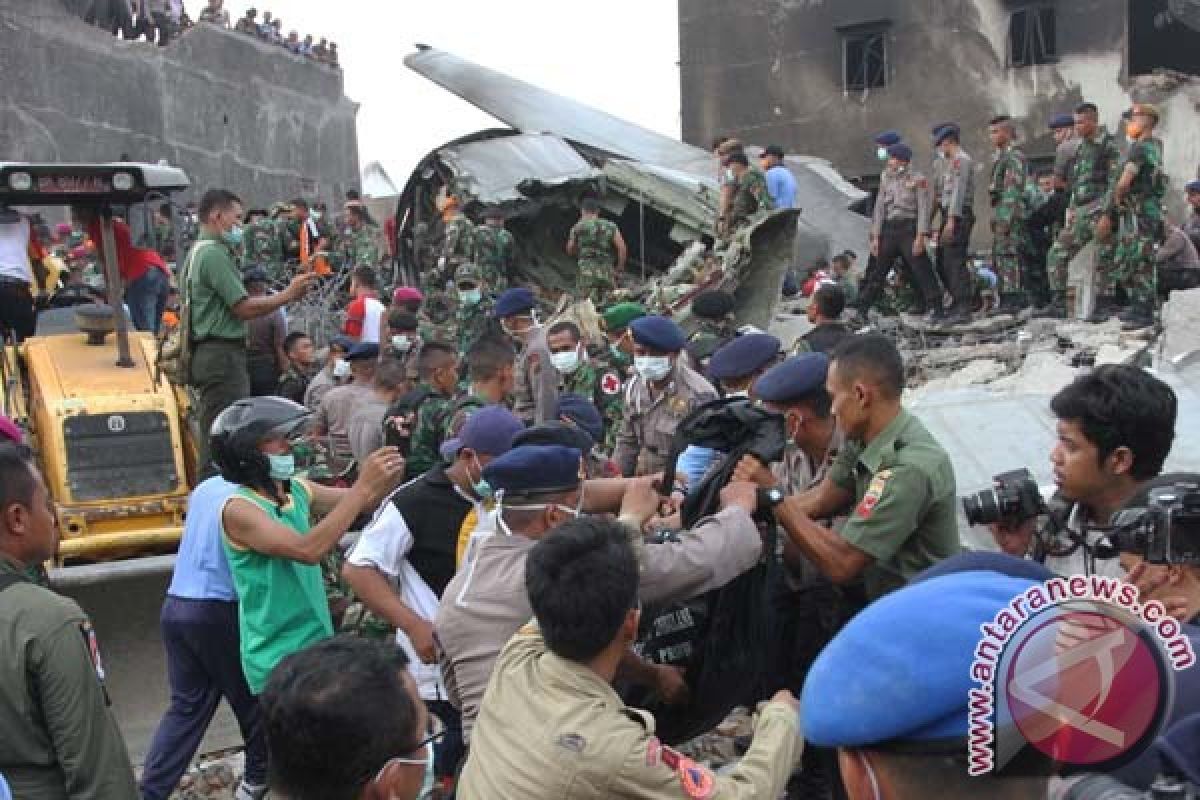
(982, 508)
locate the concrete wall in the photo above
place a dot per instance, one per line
(228, 109)
(770, 71)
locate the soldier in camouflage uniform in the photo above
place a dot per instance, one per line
(494, 249)
(492, 378)
(474, 308)
(750, 195)
(1136, 204)
(438, 372)
(362, 245)
(715, 325)
(599, 383)
(614, 364)
(263, 246)
(1010, 239)
(318, 234)
(458, 243)
(1090, 172)
(600, 250)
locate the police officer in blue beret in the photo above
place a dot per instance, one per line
(954, 202)
(536, 388)
(662, 392)
(735, 365)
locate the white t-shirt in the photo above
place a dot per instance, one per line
(14, 250)
(384, 545)
(372, 314)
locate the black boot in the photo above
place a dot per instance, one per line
(1055, 308)
(1011, 303)
(1105, 305)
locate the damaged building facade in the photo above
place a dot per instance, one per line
(820, 76)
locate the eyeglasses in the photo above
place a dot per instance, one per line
(428, 740)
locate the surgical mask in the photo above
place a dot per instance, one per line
(566, 362)
(881, 153)
(233, 236)
(283, 467)
(481, 487)
(470, 297)
(341, 368)
(428, 783)
(316, 215)
(652, 368)
(616, 350)
(401, 343)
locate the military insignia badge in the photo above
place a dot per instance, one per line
(866, 506)
(610, 383)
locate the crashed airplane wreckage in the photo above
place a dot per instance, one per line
(661, 193)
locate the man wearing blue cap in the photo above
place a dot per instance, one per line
(658, 397)
(883, 141)
(735, 365)
(537, 380)
(954, 193)
(900, 230)
(335, 372)
(405, 558)
(892, 472)
(342, 403)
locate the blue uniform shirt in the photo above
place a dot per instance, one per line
(201, 570)
(781, 185)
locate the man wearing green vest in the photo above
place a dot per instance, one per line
(274, 550)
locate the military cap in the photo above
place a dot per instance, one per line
(887, 138)
(900, 151)
(658, 333)
(859, 691)
(744, 356)
(557, 433)
(1145, 109)
(1060, 121)
(940, 126)
(940, 135)
(583, 412)
(363, 351)
(467, 273)
(514, 301)
(533, 469)
(489, 431)
(407, 293)
(1192, 186)
(712, 304)
(255, 275)
(787, 382)
(619, 316)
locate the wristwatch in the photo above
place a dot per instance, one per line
(769, 498)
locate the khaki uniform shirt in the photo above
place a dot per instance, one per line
(797, 474)
(552, 729)
(365, 429)
(486, 602)
(954, 185)
(58, 736)
(904, 517)
(320, 385)
(337, 409)
(903, 195)
(646, 433)
(536, 392)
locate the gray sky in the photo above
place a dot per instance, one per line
(620, 56)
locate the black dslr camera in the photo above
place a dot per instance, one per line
(1014, 497)
(1166, 531)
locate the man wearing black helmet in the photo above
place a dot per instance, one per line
(273, 550)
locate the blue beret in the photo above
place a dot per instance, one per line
(1192, 186)
(949, 129)
(887, 138)
(1060, 121)
(658, 333)
(941, 126)
(583, 413)
(900, 151)
(883, 678)
(743, 356)
(794, 378)
(514, 301)
(363, 351)
(534, 468)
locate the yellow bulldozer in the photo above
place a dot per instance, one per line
(110, 433)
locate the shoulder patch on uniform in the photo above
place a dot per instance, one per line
(654, 750)
(697, 782)
(610, 383)
(571, 741)
(874, 491)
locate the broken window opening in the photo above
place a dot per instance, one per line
(1162, 35)
(864, 60)
(1032, 37)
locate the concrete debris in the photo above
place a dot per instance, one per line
(1181, 337)
(216, 777)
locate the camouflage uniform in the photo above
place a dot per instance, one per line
(470, 321)
(749, 197)
(293, 383)
(458, 247)
(1140, 222)
(427, 434)
(263, 247)
(1090, 173)
(1010, 238)
(494, 256)
(613, 372)
(457, 413)
(596, 239)
(601, 384)
(361, 248)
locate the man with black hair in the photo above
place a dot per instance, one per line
(494, 250)
(334, 373)
(1010, 214)
(750, 194)
(491, 376)
(577, 373)
(825, 313)
(344, 722)
(892, 472)
(362, 244)
(58, 735)
(556, 676)
(265, 336)
(302, 237)
(841, 269)
(1115, 427)
(220, 307)
(301, 360)
(364, 315)
(954, 199)
(423, 422)
(601, 252)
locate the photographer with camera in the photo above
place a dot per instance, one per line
(1115, 428)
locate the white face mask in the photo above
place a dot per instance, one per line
(881, 153)
(652, 368)
(566, 362)
(401, 343)
(341, 368)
